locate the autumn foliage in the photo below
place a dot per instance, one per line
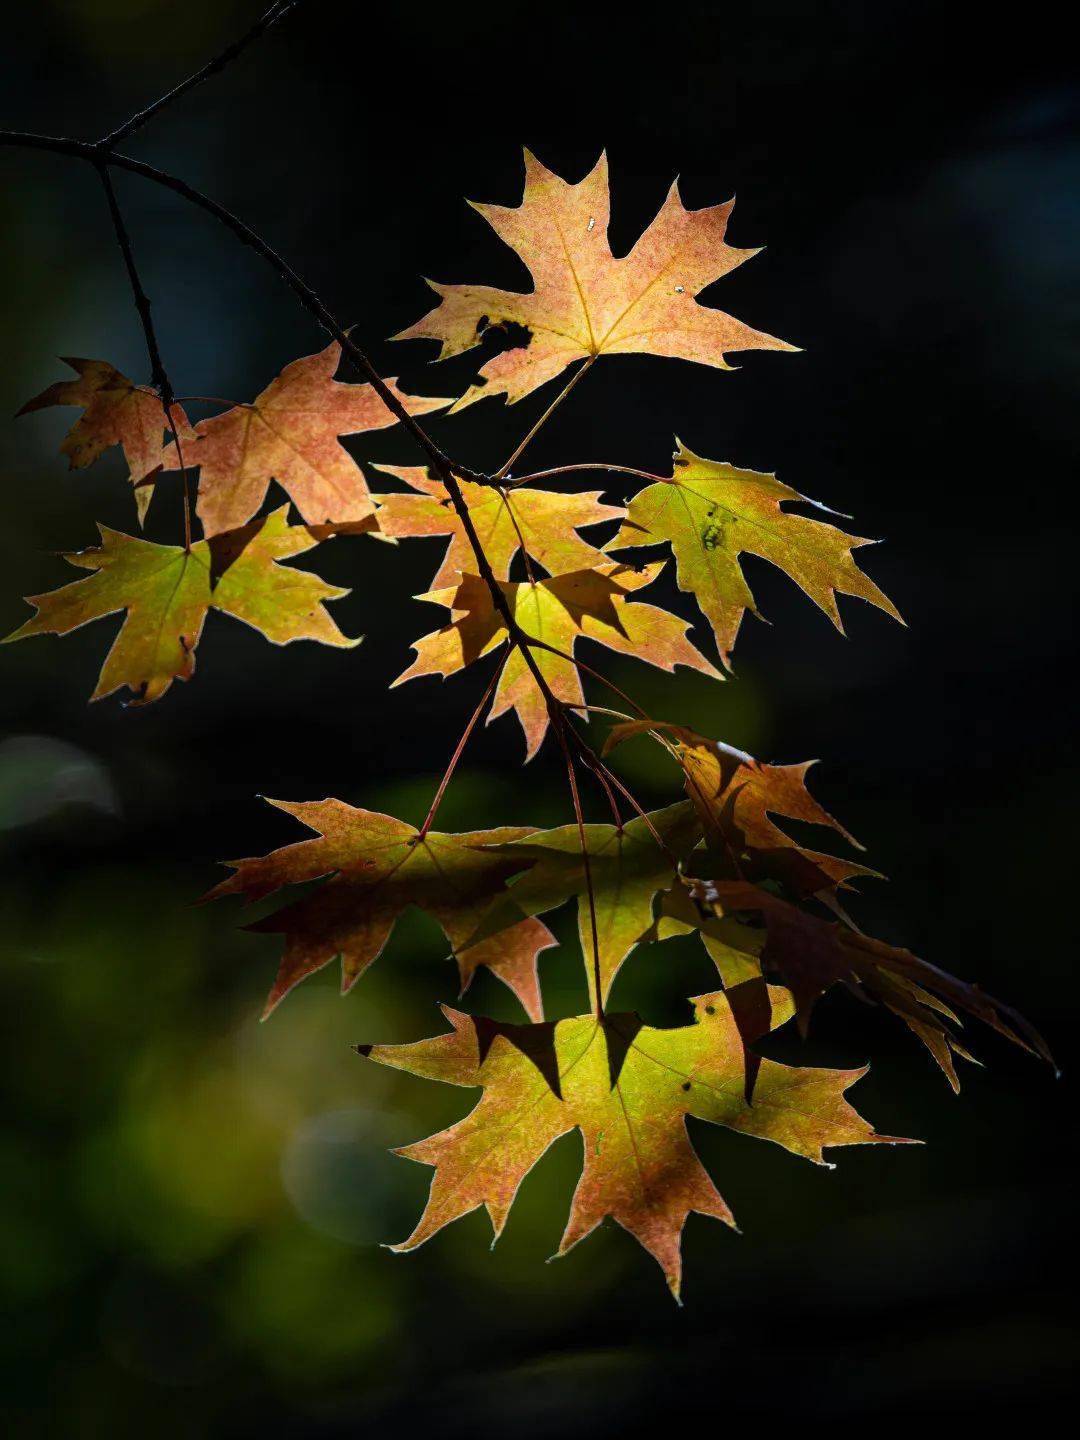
(532, 567)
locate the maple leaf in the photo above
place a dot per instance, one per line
(167, 592)
(628, 868)
(116, 411)
(541, 521)
(290, 433)
(734, 947)
(809, 954)
(736, 797)
(585, 302)
(712, 513)
(628, 1088)
(374, 868)
(592, 604)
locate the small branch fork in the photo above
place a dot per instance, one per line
(103, 157)
(158, 373)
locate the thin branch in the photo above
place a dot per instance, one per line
(557, 470)
(600, 774)
(59, 145)
(588, 670)
(673, 859)
(276, 12)
(158, 373)
(460, 748)
(598, 1001)
(544, 418)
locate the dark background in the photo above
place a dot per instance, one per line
(191, 1204)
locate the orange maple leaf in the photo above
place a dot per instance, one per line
(290, 433)
(116, 412)
(586, 302)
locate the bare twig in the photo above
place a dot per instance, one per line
(276, 12)
(158, 373)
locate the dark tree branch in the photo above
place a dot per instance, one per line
(59, 145)
(158, 373)
(276, 12)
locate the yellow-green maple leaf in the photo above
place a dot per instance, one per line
(542, 522)
(712, 513)
(627, 868)
(584, 604)
(628, 1087)
(167, 591)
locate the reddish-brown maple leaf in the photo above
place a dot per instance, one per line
(375, 867)
(808, 954)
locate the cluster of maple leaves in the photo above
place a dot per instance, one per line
(718, 864)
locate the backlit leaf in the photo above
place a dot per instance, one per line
(546, 522)
(628, 1088)
(374, 867)
(584, 301)
(737, 797)
(809, 954)
(712, 513)
(167, 592)
(590, 604)
(116, 411)
(290, 433)
(627, 869)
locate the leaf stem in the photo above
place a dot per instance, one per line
(517, 531)
(556, 470)
(598, 1002)
(460, 747)
(544, 418)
